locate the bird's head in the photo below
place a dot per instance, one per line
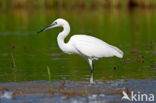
(57, 23)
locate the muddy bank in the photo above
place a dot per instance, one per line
(72, 92)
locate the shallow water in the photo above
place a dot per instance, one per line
(25, 55)
(75, 92)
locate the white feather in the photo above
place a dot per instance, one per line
(92, 47)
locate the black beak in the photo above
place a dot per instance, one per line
(44, 29)
(51, 25)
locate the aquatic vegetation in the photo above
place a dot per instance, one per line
(38, 91)
(13, 66)
(13, 63)
(49, 76)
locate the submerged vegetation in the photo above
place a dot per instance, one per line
(49, 76)
(13, 65)
(77, 3)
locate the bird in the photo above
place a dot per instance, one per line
(89, 47)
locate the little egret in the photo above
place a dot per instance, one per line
(86, 46)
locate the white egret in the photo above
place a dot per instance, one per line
(86, 46)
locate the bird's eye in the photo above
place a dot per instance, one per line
(55, 22)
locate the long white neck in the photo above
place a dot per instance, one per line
(62, 35)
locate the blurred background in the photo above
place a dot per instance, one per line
(80, 4)
(128, 24)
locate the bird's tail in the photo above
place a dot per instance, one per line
(117, 52)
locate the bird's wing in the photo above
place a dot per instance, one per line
(92, 47)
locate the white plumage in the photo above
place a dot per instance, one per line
(87, 46)
(93, 48)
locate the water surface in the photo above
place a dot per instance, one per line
(25, 55)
